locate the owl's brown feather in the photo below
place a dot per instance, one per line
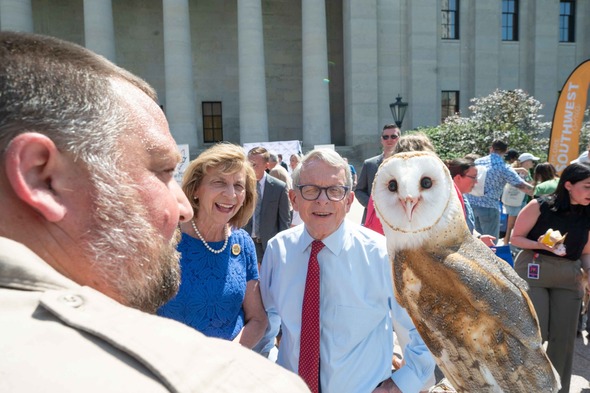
(476, 321)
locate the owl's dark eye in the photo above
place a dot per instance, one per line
(392, 186)
(426, 182)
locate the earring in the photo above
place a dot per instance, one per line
(195, 198)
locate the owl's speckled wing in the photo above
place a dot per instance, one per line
(471, 309)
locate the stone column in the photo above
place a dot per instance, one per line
(423, 86)
(253, 110)
(485, 50)
(99, 32)
(180, 97)
(389, 61)
(316, 83)
(16, 15)
(361, 78)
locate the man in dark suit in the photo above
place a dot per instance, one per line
(389, 137)
(282, 163)
(273, 213)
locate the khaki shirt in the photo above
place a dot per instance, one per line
(57, 336)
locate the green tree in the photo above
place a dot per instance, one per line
(509, 115)
(584, 141)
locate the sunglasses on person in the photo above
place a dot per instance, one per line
(386, 137)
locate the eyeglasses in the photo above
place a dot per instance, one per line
(471, 177)
(310, 192)
(386, 137)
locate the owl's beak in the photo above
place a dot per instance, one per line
(409, 205)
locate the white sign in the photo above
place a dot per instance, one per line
(286, 148)
(181, 167)
(331, 147)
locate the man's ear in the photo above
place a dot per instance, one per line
(349, 200)
(32, 168)
(293, 198)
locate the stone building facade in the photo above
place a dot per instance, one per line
(320, 71)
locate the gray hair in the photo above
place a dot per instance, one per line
(64, 91)
(273, 157)
(328, 156)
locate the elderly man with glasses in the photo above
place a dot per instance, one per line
(329, 281)
(389, 137)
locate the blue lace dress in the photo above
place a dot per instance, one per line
(213, 286)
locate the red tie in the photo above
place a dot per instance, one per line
(309, 352)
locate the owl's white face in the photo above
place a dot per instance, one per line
(412, 193)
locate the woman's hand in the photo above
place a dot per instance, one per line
(488, 240)
(396, 362)
(558, 249)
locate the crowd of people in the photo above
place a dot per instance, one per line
(97, 236)
(536, 200)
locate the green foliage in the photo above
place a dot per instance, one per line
(511, 116)
(584, 141)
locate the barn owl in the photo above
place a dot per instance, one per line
(469, 306)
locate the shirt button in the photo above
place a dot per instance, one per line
(72, 300)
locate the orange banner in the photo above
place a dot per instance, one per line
(568, 118)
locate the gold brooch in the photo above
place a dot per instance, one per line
(235, 249)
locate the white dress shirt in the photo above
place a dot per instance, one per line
(356, 309)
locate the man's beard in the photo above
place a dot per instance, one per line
(131, 257)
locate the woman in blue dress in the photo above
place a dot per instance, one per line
(219, 293)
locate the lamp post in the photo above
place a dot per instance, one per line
(398, 110)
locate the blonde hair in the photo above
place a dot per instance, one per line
(228, 159)
(417, 141)
(282, 175)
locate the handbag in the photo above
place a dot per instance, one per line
(478, 189)
(512, 196)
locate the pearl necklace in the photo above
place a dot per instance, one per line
(207, 246)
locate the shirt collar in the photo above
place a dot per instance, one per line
(21, 268)
(495, 156)
(334, 242)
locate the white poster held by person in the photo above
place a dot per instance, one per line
(181, 167)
